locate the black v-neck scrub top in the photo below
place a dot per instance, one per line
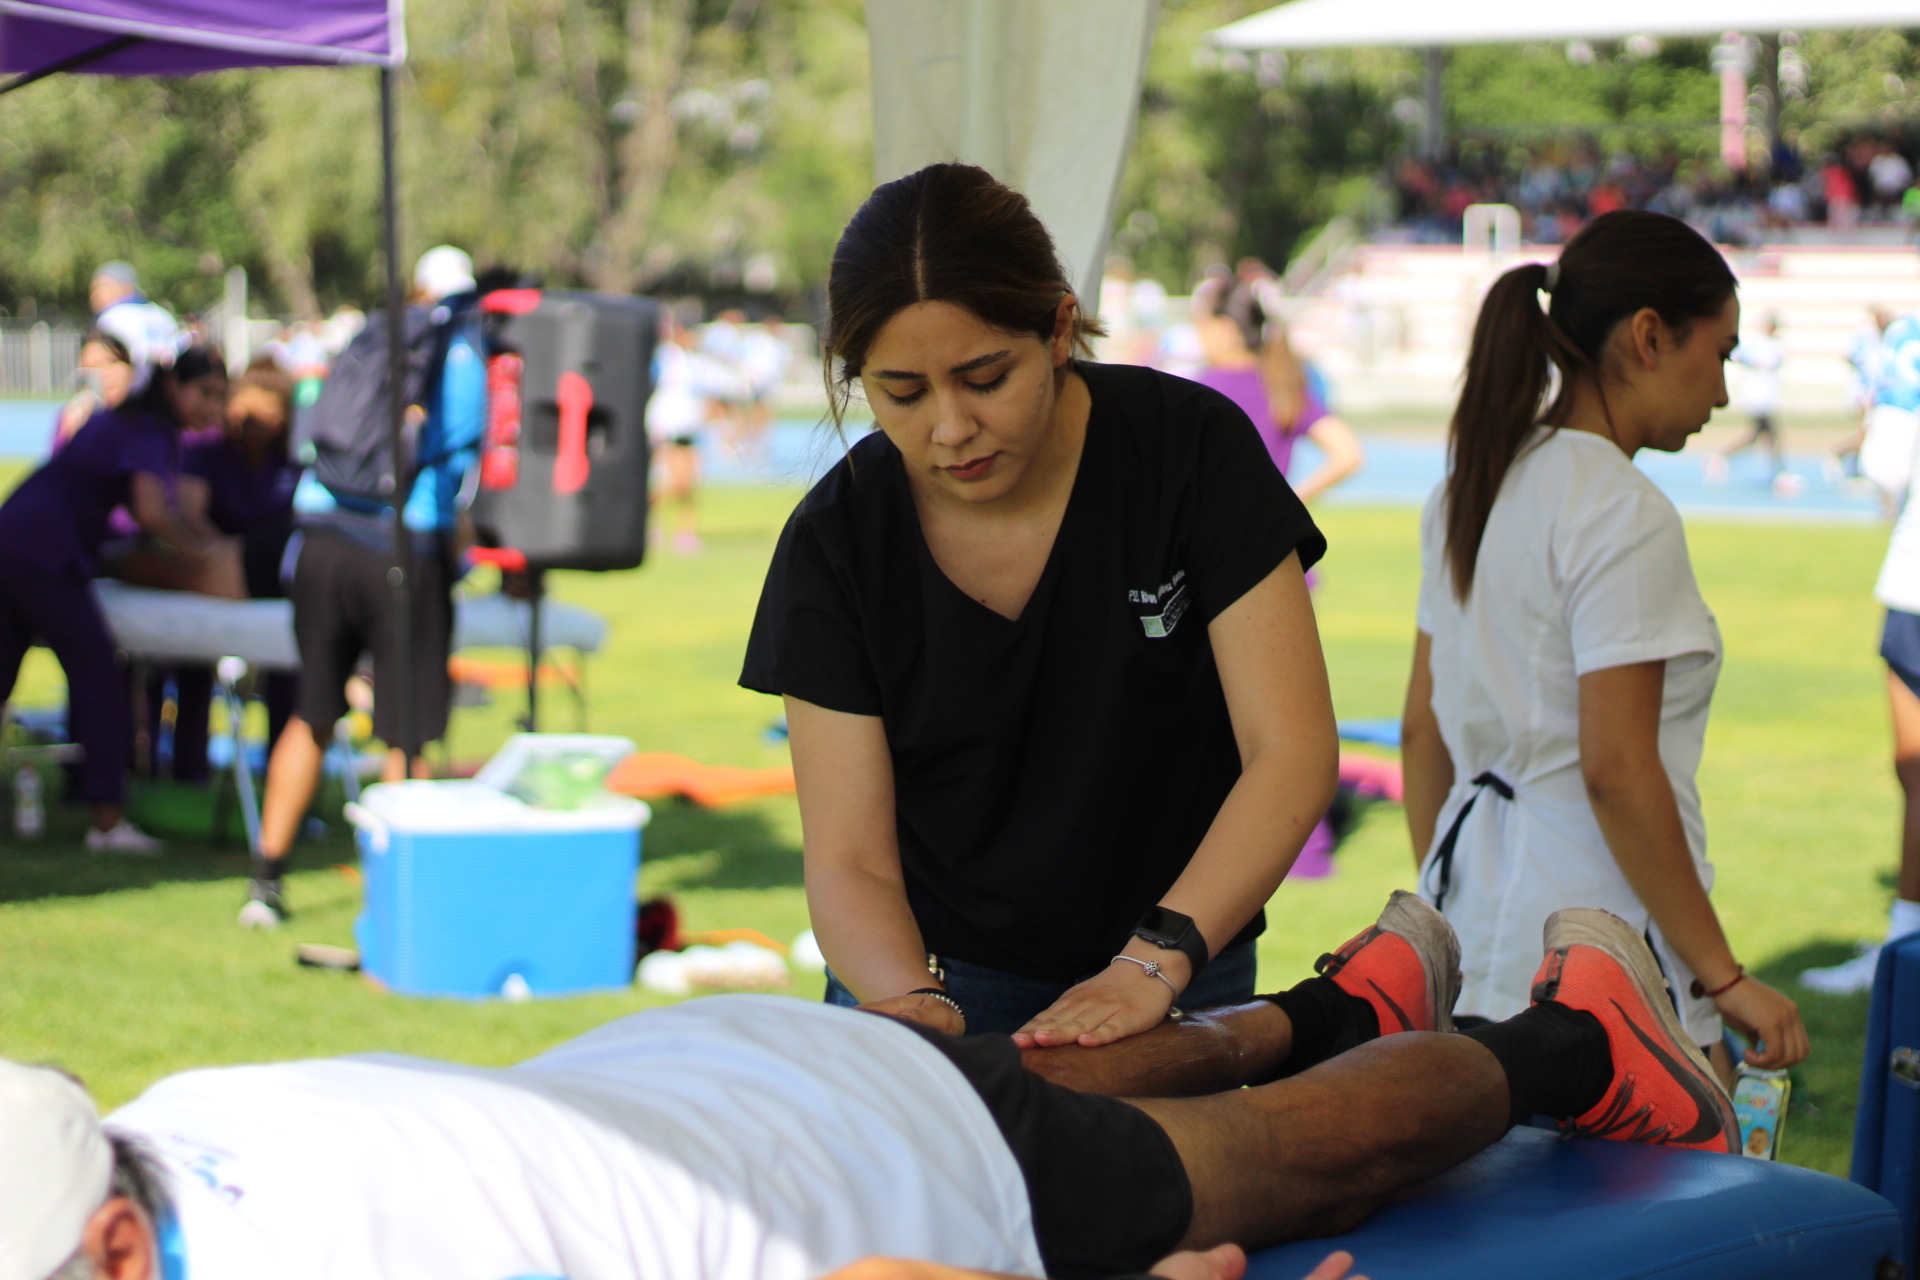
(1053, 774)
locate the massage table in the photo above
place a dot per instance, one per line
(236, 636)
(1533, 1207)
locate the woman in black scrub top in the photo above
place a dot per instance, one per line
(1058, 711)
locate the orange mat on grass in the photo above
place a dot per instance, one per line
(650, 774)
(493, 673)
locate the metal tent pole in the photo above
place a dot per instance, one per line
(400, 577)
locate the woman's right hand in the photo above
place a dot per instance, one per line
(1767, 1018)
(934, 1014)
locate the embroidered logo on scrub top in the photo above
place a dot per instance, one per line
(1169, 604)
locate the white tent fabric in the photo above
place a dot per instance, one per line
(1041, 93)
(1322, 24)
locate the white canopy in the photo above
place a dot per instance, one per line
(1322, 24)
(1041, 93)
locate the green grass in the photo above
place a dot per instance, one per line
(125, 971)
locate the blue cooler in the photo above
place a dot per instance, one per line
(471, 892)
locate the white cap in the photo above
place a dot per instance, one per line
(55, 1169)
(443, 271)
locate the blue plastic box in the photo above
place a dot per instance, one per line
(470, 892)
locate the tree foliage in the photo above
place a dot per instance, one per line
(616, 144)
(689, 145)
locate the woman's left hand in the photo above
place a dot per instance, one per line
(1121, 1001)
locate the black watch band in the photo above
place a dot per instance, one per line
(1171, 931)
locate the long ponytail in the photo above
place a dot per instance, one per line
(1621, 262)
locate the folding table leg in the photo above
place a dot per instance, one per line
(230, 671)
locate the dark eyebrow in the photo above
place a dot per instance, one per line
(979, 362)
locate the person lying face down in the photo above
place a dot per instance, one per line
(765, 1138)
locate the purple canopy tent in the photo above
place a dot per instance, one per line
(39, 38)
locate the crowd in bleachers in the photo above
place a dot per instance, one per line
(1558, 186)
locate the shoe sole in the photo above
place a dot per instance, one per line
(1434, 941)
(1614, 937)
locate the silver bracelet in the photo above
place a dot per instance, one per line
(944, 999)
(1153, 971)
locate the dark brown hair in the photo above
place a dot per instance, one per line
(949, 233)
(1622, 262)
(265, 374)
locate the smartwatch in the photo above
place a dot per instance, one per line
(1171, 931)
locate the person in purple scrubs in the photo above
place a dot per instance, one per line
(1250, 361)
(240, 482)
(53, 527)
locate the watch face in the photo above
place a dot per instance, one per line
(1163, 927)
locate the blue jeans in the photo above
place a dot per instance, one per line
(1001, 1003)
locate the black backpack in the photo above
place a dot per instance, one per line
(345, 437)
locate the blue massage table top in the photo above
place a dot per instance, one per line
(1532, 1206)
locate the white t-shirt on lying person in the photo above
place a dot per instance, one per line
(1583, 566)
(730, 1138)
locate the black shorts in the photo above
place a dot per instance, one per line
(1900, 646)
(342, 608)
(1108, 1192)
(262, 550)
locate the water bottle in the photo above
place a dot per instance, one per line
(29, 814)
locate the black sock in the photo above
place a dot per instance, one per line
(1556, 1059)
(1326, 1021)
(269, 868)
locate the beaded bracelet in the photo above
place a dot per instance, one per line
(1701, 993)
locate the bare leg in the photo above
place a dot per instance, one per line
(1202, 1053)
(293, 775)
(395, 769)
(1314, 1155)
(1906, 765)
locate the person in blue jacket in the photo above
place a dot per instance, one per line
(343, 605)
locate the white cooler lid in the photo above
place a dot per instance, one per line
(474, 807)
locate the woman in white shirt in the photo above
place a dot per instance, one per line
(1565, 660)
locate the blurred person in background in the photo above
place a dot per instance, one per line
(338, 566)
(1890, 175)
(1887, 459)
(1863, 359)
(55, 526)
(148, 330)
(765, 354)
(691, 390)
(105, 374)
(1761, 355)
(240, 482)
(1250, 361)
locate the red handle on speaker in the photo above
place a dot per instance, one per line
(571, 468)
(508, 558)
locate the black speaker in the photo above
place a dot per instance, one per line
(563, 467)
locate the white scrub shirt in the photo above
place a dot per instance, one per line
(1583, 566)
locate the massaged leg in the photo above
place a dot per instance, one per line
(1402, 973)
(1314, 1155)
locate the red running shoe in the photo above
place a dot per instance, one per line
(1663, 1091)
(1406, 965)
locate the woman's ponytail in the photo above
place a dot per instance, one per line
(1620, 263)
(1509, 371)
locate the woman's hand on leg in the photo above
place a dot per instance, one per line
(1122, 1000)
(928, 1012)
(1768, 1018)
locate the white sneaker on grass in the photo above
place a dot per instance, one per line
(123, 838)
(1848, 979)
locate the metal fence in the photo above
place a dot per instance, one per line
(38, 360)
